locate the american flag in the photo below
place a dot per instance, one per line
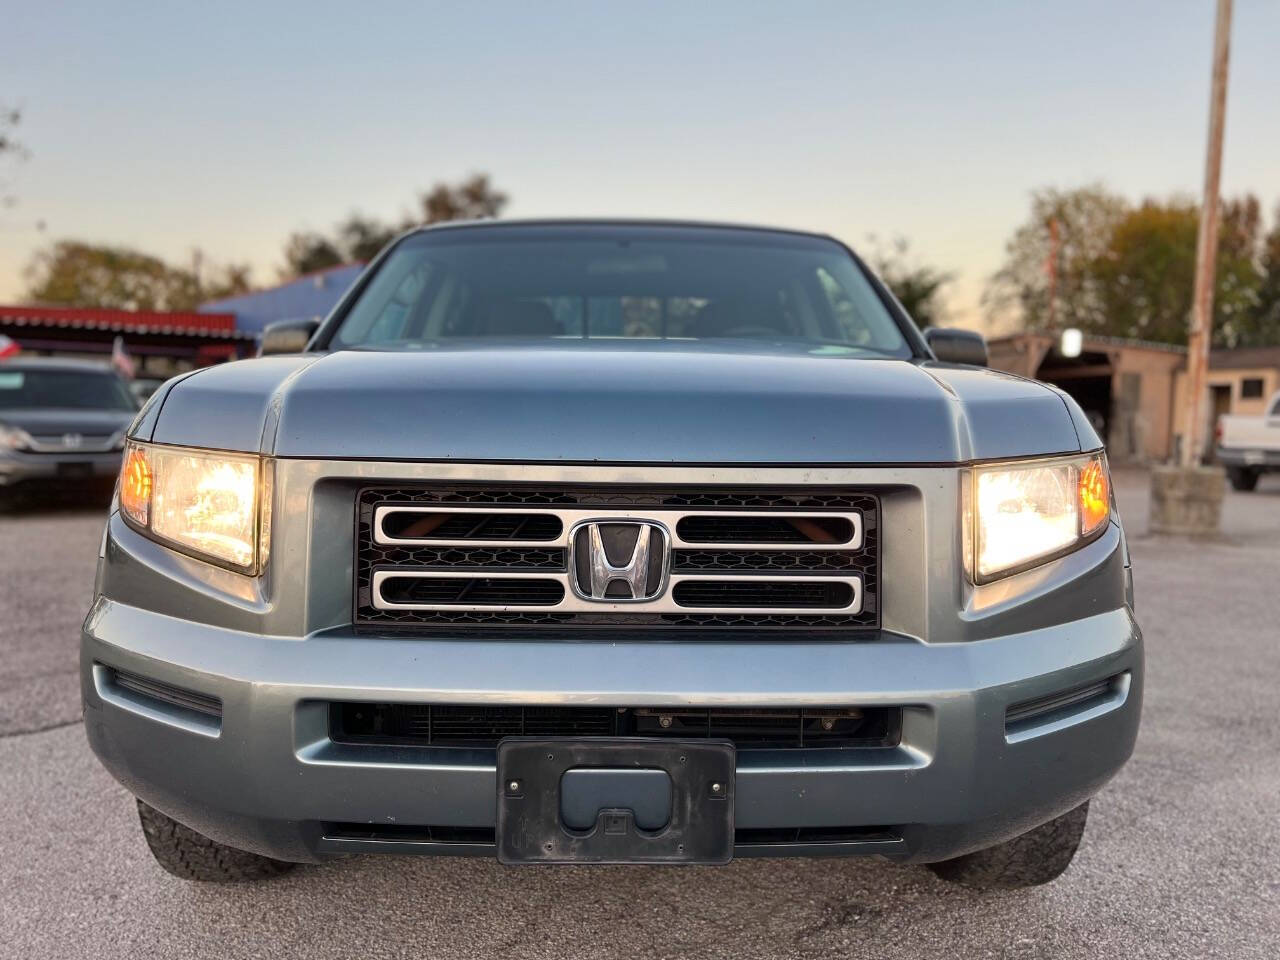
(120, 358)
(8, 347)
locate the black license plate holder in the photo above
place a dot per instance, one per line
(529, 824)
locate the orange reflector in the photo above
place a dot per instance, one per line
(135, 486)
(1095, 496)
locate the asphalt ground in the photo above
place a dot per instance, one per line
(1181, 857)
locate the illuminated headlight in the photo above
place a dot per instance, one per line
(14, 438)
(1018, 515)
(211, 505)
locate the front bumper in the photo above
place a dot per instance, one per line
(267, 777)
(17, 466)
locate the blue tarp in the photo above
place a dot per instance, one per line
(311, 296)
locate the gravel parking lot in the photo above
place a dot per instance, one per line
(1181, 858)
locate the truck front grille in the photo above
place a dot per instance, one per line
(442, 555)
(71, 443)
(750, 728)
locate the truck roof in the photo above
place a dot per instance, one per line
(591, 222)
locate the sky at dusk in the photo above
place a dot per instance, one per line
(228, 126)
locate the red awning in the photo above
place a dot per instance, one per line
(221, 326)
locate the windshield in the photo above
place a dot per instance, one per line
(66, 389)
(620, 283)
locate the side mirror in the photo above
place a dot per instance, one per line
(287, 336)
(957, 346)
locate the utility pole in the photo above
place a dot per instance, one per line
(1201, 329)
(1187, 499)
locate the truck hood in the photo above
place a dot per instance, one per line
(611, 401)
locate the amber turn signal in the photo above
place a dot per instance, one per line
(135, 486)
(1095, 496)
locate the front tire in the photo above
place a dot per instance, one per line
(1035, 857)
(193, 856)
(1243, 479)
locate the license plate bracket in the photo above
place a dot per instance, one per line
(530, 828)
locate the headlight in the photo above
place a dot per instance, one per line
(14, 438)
(211, 505)
(1020, 514)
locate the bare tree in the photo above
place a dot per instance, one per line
(1083, 220)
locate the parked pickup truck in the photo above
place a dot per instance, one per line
(613, 542)
(1250, 446)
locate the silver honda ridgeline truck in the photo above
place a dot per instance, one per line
(584, 542)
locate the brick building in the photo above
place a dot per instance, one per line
(1134, 391)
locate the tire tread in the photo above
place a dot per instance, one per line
(192, 856)
(1036, 857)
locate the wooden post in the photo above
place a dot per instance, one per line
(1201, 328)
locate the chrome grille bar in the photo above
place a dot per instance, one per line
(570, 517)
(574, 604)
(72, 443)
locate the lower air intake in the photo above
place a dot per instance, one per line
(758, 728)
